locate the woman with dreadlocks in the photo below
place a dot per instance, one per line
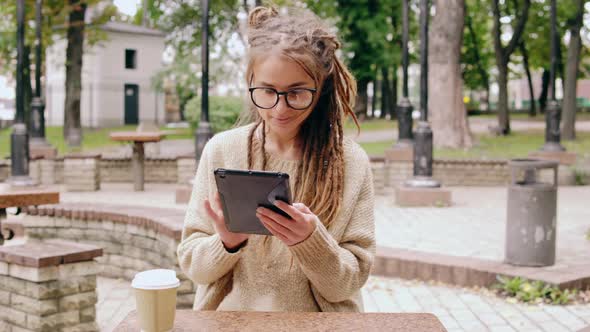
(319, 259)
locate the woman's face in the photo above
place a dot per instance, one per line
(283, 74)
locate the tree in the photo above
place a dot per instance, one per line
(477, 57)
(503, 54)
(571, 74)
(72, 129)
(55, 24)
(448, 114)
(527, 69)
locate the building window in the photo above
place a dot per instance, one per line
(130, 59)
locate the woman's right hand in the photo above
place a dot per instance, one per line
(230, 240)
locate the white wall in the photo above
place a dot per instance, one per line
(103, 79)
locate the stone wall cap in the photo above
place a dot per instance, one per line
(85, 155)
(20, 198)
(48, 253)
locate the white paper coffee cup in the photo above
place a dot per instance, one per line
(155, 298)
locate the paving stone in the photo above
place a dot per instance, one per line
(500, 328)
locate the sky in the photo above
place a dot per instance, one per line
(128, 7)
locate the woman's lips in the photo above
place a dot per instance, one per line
(282, 120)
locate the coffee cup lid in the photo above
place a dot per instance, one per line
(155, 279)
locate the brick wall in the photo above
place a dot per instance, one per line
(127, 248)
(156, 170)
(390, 174)
(55, 298)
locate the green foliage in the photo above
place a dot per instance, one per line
(533, 291)
(477, 55)
(370, 31)
(223, 112)
(55, 18)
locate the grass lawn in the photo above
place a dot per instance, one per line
(94, 139)
(518, 144)
(582, 116)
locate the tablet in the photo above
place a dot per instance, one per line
(243, 191)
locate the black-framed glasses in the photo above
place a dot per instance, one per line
(298, 98)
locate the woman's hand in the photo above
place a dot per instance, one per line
(290, 231)
(230, 240)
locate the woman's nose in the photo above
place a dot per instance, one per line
(282, 104)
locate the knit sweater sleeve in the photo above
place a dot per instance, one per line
(338, 270)
(201, 254)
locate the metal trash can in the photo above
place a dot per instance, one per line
(531, 222)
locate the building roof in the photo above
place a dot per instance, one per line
(131, 28)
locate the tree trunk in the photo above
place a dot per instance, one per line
(544, 90)
(503, 58)
(527, 69)
(385, 98)
(502, 108)
(74, 53)
(393, 99)
(360, 107)
(446, 108)
(376, 84)
(571, 76)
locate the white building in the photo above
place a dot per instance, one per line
(116, 78)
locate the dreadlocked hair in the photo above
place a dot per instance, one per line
(302, 37)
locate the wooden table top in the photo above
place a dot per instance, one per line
(189, 320)
(27, 197)
(135, 136)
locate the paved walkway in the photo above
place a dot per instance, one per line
(459, 309)
(473, 226)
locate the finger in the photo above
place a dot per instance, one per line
(274, 232)
(302, 207)
(277, 218)
(273, 226)
(290, 210)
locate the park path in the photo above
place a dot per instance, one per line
(473, 226)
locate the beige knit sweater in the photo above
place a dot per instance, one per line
(329, 268)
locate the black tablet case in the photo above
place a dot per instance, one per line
(242, 192)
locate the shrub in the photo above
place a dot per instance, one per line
(223, 112)
(533, 291)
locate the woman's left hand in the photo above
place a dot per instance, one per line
(290, 231)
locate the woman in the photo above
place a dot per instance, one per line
(300, 93)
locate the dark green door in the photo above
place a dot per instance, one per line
(131, 104)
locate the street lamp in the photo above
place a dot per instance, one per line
(404, 109)
(423, 136)
(39, 145)
(553, 110)
(204, 131)
(19, 139)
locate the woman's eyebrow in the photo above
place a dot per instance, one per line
(290, 86)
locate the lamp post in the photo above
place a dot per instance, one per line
(204, 131)
(19, 139)
(423, 136)
(553, 109)
(404, 109)
(37, 124)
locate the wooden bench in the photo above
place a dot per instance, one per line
(48, 286)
